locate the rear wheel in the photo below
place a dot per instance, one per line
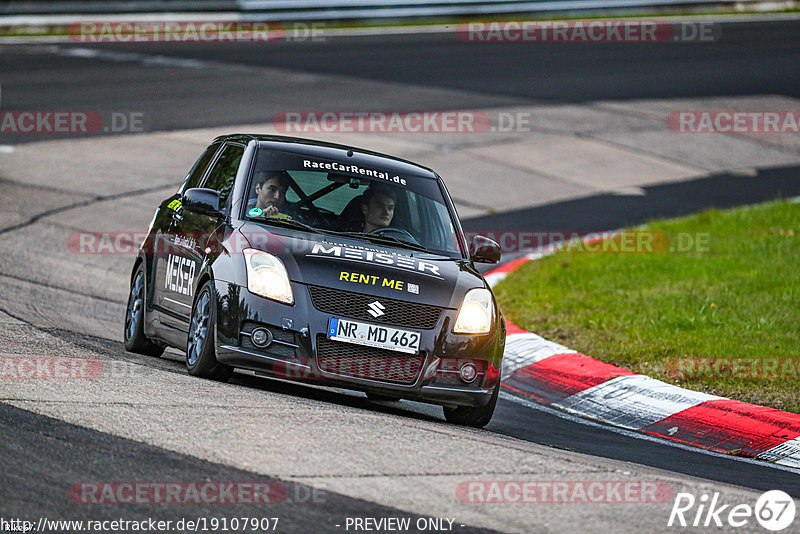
(474, 416)
(133, 335)
(201, 359)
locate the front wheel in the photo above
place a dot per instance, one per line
(201, 359)
(474, 416)
(133, 335)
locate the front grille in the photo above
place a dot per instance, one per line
(396, 312)
(357, 361)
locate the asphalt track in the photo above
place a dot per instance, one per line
(608, 212)
(750, 58)
(71, 452)
(755, 58)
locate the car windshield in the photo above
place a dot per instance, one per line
(341, 198)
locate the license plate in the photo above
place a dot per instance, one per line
(373, 335)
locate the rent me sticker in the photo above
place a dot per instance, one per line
(371, 280)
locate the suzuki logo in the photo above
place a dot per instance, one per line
(376, 309)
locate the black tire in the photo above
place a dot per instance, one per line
(474, 416)
(201, 359)
(133, 330)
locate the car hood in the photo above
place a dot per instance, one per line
(361, 266)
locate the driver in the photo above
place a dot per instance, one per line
(377, 206)
(271, 187)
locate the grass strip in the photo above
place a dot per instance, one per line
(709, 302)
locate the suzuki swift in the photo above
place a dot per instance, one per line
(316, 262)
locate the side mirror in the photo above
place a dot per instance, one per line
(203, 201)
(484, 250)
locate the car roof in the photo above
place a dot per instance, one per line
(334, 151)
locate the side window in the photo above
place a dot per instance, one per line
(199, 169)
(223, 173)
(414, 219)
(449, 239)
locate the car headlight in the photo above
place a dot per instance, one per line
(267, 277)
(476, 312)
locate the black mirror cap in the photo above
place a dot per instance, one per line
(484, 250)
(202, 200)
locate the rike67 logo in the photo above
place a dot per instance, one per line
(774, 511)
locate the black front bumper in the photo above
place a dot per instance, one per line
(300, 351)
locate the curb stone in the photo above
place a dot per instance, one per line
(551, 374)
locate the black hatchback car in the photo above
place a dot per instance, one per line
(323, 263)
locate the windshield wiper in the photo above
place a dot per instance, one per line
(386, 239)
(289, 223)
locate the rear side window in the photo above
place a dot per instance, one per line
(223, 173)
(200, 166)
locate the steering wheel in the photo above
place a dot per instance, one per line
(399, 233)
